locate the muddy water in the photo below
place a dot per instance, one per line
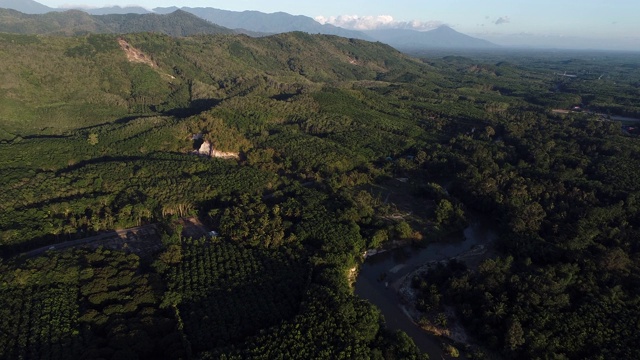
(382, 272)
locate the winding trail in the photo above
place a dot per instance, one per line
(120, 234)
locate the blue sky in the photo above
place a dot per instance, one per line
(612, 23)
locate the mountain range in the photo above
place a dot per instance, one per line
(26, 6)
(33, 7)
(260, 22)
(443, 37)
(117, 10)
(74, 22)
(210, 21)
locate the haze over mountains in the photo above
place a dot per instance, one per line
(117, 10)
(442, 37)
(33, 7)
(254, 23)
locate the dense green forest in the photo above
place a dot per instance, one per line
(91, 142)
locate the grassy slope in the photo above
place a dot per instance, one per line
(57, 92)
(52, 84)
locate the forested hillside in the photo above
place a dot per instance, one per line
(76, 22)
(97, 133)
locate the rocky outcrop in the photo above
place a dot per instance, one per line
(206, 149)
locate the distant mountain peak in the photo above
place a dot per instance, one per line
(26, 6)
(441, 37)
(444, 28)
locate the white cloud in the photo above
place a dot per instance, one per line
(356, 22)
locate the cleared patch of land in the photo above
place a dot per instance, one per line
(141, 240)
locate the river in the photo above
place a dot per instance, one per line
(400, 262)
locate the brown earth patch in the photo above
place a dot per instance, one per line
(135, 55)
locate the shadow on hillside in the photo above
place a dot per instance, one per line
(29, 137)
(99, 160)
(284, 97)
(105, 159)
(195, 107)
(62, 199)
(121, 121)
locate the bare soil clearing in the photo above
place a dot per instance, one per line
(135, 55)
